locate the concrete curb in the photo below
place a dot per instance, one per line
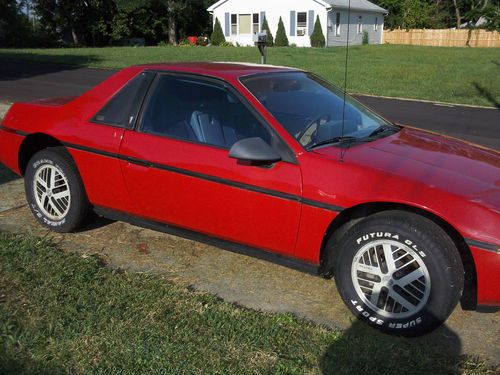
(441, 104)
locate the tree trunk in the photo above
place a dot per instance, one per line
(172, 30)
(457, 13)
(75, 37)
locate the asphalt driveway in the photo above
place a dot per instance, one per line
(21, 81)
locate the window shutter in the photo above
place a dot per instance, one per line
(293, 20)
(227, 24)
(262, 16)
(311, 21)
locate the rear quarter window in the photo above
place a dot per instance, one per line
(122, 109)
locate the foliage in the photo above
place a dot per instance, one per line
(317, 37)
(217, 37)
(270, 39)
(81, 22)
(15, 28)
(366, 38)
(440, 13)
(202, 41)
(281, 38)
(105, 22)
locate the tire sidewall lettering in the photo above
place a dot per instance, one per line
(372, 318)
(360, 308)
(372, 236)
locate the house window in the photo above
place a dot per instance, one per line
(375, 26)
(301, 23)
(234, 24)
(337, 25)
(256, 23)
(245, 24)
(360, 25)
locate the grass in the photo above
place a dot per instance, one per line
(61, 313)
(454, 75)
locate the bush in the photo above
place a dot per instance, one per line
(317, 37)
(217, 37)
(226, 44)
(270, 39)
(281, 39)
(202, 41)
(366, 39)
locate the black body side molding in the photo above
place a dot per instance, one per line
(234, 247)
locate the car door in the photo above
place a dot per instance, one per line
(177, 168)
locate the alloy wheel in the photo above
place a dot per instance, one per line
(52, 193)
(391, 278)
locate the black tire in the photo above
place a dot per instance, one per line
(423, 248)
(77, 205)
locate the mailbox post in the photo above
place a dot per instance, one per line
(260, 40)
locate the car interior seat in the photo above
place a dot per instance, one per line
(208, 129)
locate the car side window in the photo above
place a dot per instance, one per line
(199, 111)
(122, 109)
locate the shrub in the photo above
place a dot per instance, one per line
(217, 37)
(270, 39)
(366, 39)
(203, 41)
(317, 37)
(281, 39)
(226, 44)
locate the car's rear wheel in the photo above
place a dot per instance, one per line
(54, 190)
(399, 272)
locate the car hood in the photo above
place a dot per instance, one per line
(439, 162)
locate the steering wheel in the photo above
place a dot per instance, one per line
(315, 121)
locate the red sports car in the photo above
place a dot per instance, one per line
(276, 163)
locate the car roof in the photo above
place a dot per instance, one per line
(224, 70)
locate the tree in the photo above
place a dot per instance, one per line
(265, 26)
(87, 21)
(281, 38)
(15, 30)
(317, 37)
(217, 37)
(457, 14)
(440, 13)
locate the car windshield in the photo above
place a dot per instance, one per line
(314, 111)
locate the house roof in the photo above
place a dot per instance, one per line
(363, 5)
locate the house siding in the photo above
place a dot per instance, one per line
(355, 38)
(273, 11)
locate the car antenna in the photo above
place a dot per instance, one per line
(343, 150)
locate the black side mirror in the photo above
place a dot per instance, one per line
(254, 151)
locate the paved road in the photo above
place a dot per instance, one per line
(27, 81)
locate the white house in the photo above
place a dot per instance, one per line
(240, 19)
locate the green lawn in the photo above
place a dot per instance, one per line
(455, 75)
(61, 313)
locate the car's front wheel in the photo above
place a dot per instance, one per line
(399, 272)
(54, 190)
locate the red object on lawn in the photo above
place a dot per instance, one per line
(269, 161)
(193, 40)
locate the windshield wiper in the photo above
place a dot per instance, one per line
(336, 140)
(382, 129)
